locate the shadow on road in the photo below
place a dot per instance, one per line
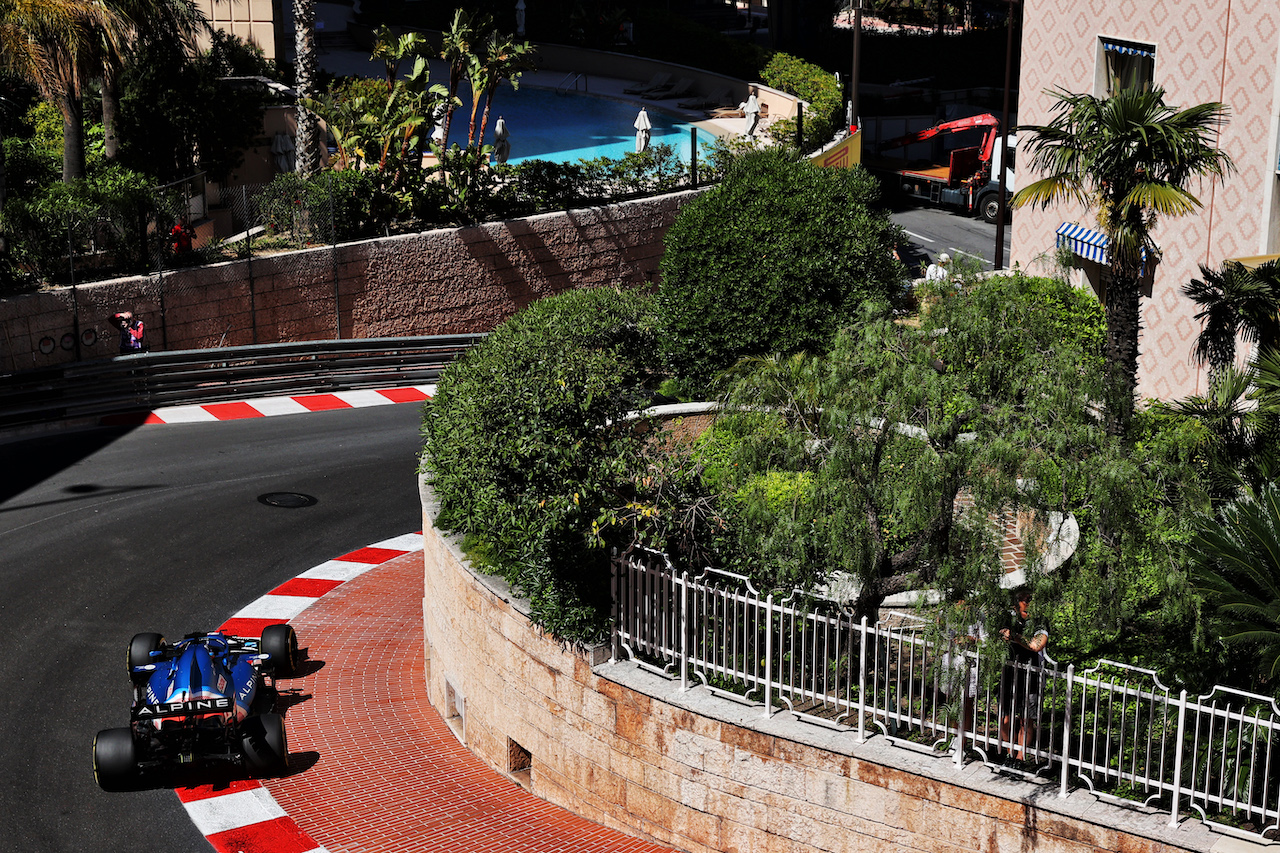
(29, 462)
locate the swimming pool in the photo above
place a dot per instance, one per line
(544, 125)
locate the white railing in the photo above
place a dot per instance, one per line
(1114, 728)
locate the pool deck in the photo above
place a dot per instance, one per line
(345, 60)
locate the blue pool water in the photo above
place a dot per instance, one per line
(566, 128)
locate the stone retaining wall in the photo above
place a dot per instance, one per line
(629, 750)
(448, 281)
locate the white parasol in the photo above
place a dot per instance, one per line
(282, 148)
(643, 130)
(501, 141)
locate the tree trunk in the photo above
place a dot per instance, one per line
(1124, 324)
(72, 138)
(307, 144)
(110, 110)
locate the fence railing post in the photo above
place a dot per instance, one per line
(862, 682)
(1177, 760)
(684, 630)
(1066, 733)
(768, 656)
(616, 585)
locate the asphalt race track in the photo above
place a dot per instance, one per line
(110, 532)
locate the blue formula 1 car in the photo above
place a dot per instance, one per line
(205, 697)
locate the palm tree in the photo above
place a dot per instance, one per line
(177, 19)
(52, 44)
(457, 49)
(307, 141)
(1237, 437)
(503, 59)
(1129, 158)
(1236, 301)
(1236, 566)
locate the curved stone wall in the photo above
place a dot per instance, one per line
(448, 281)
(627, 749)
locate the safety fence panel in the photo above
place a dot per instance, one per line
(1114, 728)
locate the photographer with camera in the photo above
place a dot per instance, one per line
(131, 333)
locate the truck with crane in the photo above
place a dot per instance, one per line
(968, 177)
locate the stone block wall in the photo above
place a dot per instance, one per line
(448, 281)
(628, 749)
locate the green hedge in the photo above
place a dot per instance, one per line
(810, 83)
(774, 259)
(521, 453)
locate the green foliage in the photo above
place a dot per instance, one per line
(176, 118)
(814, 85)
(1237, 567)
(774, 259)
(1130, 158)
(1126, 595)
(521, 453)
(327, 207)
(102, 218)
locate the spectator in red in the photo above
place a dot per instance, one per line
(181, 234)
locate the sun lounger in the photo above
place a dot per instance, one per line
(736, 112)
(658, 81)
(679, 90)
(706, 102)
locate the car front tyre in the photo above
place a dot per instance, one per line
(115, 764)
(140, 649)
(280, 644)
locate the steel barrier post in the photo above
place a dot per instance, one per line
(1177, 760)
(1066, 733)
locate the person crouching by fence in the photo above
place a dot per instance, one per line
(1022, 681)
(132, 333)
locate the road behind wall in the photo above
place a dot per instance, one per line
(449, 281)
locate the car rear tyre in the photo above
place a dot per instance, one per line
(266, 750)
(140, 649)
(280, 644)
(115, 763)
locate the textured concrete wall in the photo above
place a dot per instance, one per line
(1213, 50)
(448, 281)
(627, 749)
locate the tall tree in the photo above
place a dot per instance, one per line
(1130, 159)
(307, 141)
(176, 19)
(53, 45)
(457, 48)
(874, 442)
(503, 58)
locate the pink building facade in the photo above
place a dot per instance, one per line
(1209, 50)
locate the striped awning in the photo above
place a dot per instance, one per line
(1085, 242)
(1130, 50)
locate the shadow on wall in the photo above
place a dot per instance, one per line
(447, 281)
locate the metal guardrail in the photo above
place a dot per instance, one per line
(151, 380)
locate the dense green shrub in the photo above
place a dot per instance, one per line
(774, 259)
(521, 453)
(102, 219)
(177, 117)
(812, 84)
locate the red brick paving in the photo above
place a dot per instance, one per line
(388, 773)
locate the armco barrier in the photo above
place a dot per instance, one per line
(152, 380)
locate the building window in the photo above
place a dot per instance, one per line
(1124, 65)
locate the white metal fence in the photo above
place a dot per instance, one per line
(1113, 728)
